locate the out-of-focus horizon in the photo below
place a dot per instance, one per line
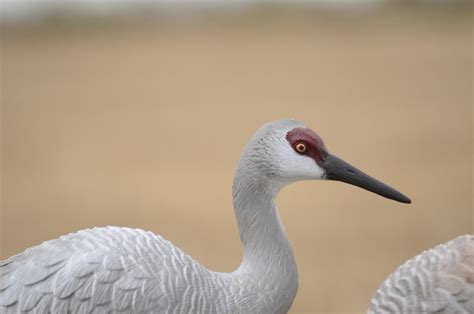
(27, 11)
(134, 113)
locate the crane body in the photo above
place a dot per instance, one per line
(439, 280)
(115, 269)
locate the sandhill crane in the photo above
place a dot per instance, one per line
(114, 269)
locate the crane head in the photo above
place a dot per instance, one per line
(289, 151)
(306, 143)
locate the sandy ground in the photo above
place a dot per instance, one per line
(142, 126)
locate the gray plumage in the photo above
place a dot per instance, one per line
(440, 280)
(107, 269)
(112, 269)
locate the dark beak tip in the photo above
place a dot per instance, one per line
(406, 200)
(401, 198)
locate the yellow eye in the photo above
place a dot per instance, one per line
(300, 148)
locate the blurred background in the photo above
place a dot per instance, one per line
(134, 113)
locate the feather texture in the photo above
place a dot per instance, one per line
(112, 269)
(115, 269)
(104, 269)
(440, 280)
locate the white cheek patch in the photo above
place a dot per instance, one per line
(299, 167)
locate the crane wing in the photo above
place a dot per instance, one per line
(440, 280)
(96, 270)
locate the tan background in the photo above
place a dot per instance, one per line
(141, 125)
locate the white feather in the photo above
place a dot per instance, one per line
(114, 269)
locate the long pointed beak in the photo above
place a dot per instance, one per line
(339, 170)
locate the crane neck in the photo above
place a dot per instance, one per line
(257, 217)
(268, 258)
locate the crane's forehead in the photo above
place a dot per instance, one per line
(307, 135)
